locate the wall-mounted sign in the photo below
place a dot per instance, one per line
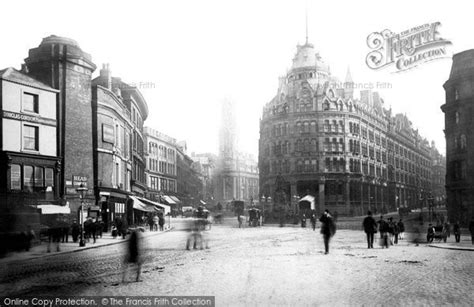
(108, 134)
(78, 180)
(28, 118)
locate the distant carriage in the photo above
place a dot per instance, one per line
(254, 217)
(440, 233)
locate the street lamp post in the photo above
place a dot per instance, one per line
(82, 190)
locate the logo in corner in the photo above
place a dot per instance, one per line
(406, 50)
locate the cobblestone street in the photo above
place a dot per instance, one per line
(260, 266)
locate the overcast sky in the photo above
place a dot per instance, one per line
(193, 54)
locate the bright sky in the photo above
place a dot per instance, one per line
(196, 53)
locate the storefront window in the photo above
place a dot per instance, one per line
(28, 178)
(39, 181)
(49, 177)
(15, 177)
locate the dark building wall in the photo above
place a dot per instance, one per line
(459, 124)
(60, 63)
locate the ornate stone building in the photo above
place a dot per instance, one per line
(459, 124)
(352, 155)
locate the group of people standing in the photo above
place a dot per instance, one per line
(390, 231)
(156, 222)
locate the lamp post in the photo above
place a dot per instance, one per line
(82, 190)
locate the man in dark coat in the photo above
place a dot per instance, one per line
(370, 227)
(457, 232)
(75, 230)
(328, 229)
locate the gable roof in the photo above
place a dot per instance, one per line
(15, 76)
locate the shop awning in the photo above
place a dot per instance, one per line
(158, 206)
(147, 205)
(168, 200)
(54, 209)
(139, 205)
(176, 199)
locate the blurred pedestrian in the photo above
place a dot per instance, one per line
(30, 236)
(194, 237)
(123, 227)
(240, 220)
(54, 237)
(471, 229)
(328, 229)
(391, 230)
(156, 221)
(133, 256)
(150, 222)
(447, 228)
(313, 221)
(384, 230)
(303, 221)
(161, 221)
(370, 228)
(75, 231)
(430, 233)
(65, 231)
(401, 230)
(457, 232)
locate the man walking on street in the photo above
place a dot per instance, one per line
(457, 232)
(370, 227)
(328, 229)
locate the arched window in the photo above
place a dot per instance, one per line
(326, 105)
(306, 127)
(306, 145)
(314, 145)
(313, 127)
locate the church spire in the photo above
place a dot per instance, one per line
(348, 85)
(306, 17)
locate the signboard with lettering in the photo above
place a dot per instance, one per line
(108, 134)
(78, 180)
(28, 118)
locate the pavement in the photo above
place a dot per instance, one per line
(41, 250)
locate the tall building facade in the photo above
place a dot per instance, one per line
(236, 175)
(61, 64)
(161, 158)
(350, 154)
(459, 124)
(113, 130)
(189, 179)
(30, 165)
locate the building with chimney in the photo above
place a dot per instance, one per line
(459, 124)
(61, 64)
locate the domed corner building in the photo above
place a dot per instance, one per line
(350, 155)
